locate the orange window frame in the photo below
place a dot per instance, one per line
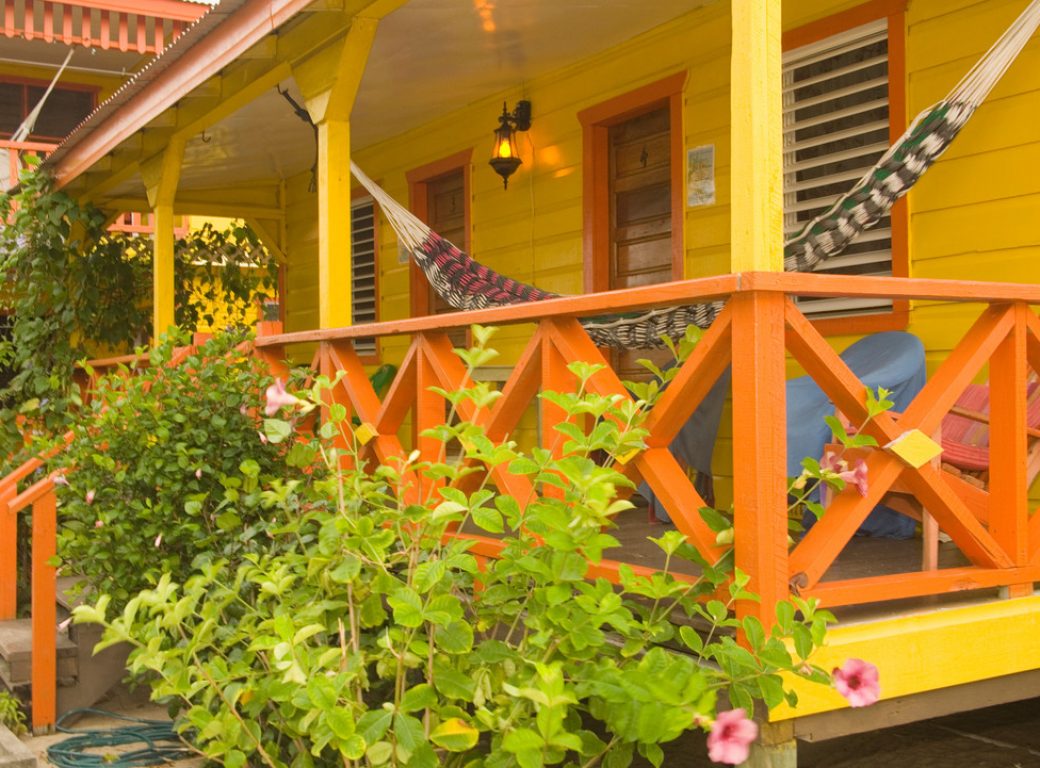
(595, 122)
(895, 12)
(28, 82)
(418, 183)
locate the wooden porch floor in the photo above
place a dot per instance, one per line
(862, 557)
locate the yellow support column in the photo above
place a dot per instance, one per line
(161, 175)
(329, 82)
(756, 229)
(334, 248)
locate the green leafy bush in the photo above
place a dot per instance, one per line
(11, 714)
(166, 464)
(370, 636)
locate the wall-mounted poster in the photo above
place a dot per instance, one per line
(700, 175)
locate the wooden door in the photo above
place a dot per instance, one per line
(640, 168)
(446, 215)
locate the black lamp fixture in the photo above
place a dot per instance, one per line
(505, 158)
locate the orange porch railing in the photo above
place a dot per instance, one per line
(12, 159)
(760, 326)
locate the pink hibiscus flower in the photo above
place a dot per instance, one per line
(731, 736)
(278, 398)
(857, 681)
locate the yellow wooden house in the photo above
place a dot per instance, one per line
(669, 147)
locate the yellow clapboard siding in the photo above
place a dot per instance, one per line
(967, 32)
(979, 178)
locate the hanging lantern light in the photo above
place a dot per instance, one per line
(505, 158)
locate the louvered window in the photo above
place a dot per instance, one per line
(363, 269)
(836, 126)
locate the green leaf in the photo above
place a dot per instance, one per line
(521, 740)
(407, 607)
(277, 430)
(409, 731)
(455, 638)
(487, 519)
(372, 725)
(341, 721)
(347, 570)
(455, 735)
(418, 697)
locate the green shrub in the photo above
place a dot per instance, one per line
(166, 464)
(368, 636)
(11, 715)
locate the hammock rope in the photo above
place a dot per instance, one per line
(465, 283)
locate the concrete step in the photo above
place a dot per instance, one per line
(16, 654)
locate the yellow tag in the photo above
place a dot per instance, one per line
(627, 457)
(915, 448)
(365, 433)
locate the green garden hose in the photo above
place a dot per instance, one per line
(86, 748)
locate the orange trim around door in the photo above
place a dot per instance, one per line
(595, 121)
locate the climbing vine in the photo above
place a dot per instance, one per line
(75, 289)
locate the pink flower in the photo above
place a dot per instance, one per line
(278, 398)
(60, 480)
(90, 496)
(158, 540)
(99, 523)
(857, 477)
(731, 736)
(857, 681)
(198, 473)
(263, 438)
(831, 463)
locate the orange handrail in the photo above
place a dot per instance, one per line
(41, 498)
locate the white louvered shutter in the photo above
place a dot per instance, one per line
(836, 126)
(363, 269)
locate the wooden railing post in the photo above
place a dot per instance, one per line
(8, 554)
(555, 378)
(44, 611)
(760, 449)
(1009, 511)
(430, 411)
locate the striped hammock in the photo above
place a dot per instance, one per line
(467, 284)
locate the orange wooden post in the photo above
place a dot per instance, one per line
(430, 410)
(8, 554)
(44, 611)
(760, 449)
(555, 378)
(1009, 518)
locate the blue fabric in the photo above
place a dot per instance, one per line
(893, 360)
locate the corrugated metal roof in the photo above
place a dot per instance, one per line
(191, 37)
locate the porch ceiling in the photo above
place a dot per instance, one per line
(429, 57)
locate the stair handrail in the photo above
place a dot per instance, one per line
(42, 499)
